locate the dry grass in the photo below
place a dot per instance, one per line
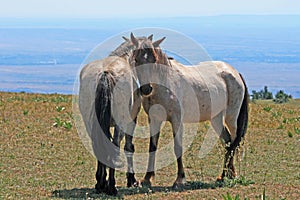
(42, 160)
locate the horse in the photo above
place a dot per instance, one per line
(220, 96)
(103, 86)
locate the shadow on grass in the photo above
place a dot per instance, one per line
(85, 193)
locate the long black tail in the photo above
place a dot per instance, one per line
(103, 101)
(242, 122)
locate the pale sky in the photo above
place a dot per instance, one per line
(141, 8)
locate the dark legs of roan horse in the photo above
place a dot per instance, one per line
(177, 128)
(154, 136)
(108, 187)
(228, 168)
(102, 185)
(177, 134)
(129, 150)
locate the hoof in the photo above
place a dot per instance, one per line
(145, 183)
(133, 184)
(220, 179)
(131, 181)
(232, 175)
(101, 188)
(178, 186)
(111, 191)
(228, 173)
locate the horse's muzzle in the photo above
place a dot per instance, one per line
(146, 89)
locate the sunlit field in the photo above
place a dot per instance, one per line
(42, 155)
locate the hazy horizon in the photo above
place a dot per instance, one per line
(40, 55)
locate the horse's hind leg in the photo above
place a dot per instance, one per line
(236, 99)
(231, 120)
(228, 168)
(111, 185)
(225, 136)
(101, 184)
(228, 135)
(177, 127)
(218, 124)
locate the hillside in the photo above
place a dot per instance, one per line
(42, 155)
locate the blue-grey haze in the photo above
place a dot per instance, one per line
(43, 55)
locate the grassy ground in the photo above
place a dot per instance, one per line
(43, 157)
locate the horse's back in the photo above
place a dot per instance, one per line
(215, 84)
(112, 64)
(219, 71)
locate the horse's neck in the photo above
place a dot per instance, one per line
(163, 58)
(125, 56)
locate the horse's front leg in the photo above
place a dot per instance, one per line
(154, 136)
(177, 127)
(129, 151)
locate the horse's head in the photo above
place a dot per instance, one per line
(144, 59)
(126, 49)
(145, 50)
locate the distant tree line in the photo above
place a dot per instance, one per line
(264, 94)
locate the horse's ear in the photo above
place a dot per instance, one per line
(157, 42)
(150, 37)
(125, 38)
(134, 40)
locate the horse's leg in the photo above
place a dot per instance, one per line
(177, 128)
(101, 178)
(225, 133)
(154, 136)
(231, 123)
(218, 124)
(236, 118)
(111, 185)
(228, 168)
(129, 150)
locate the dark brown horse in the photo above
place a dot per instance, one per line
(220, 94)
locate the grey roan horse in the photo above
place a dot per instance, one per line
(221, 96)
(98, 80)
